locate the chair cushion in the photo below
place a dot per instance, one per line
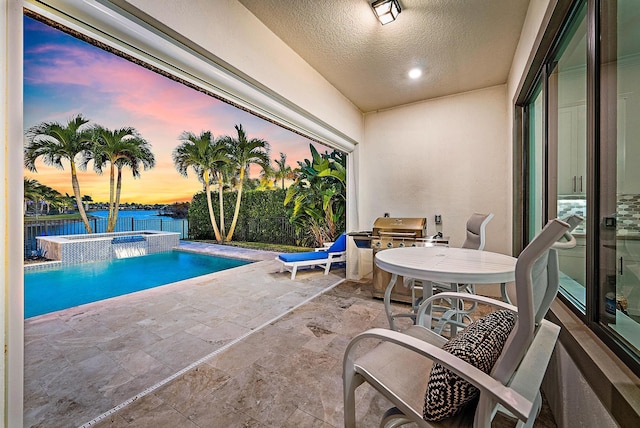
(340, 245)
(301, 257)
(480, 344)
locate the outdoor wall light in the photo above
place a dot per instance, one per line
(386, 10)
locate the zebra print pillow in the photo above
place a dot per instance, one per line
(480, 344)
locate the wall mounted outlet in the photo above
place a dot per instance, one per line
(438, 219)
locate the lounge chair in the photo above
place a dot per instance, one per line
(322, 257)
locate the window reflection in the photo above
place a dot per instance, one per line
(568, 133)
(620, 192)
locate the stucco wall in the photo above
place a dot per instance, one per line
(444, 156)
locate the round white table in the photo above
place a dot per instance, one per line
(444, 264)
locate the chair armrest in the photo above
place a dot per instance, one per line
(467, 297)
(324, 247)
(336, 254)
(519, 406)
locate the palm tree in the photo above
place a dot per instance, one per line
(268, 179)
(49, 197)
(64, 203)
(207, 158)
(283, 171)
(86, 200)
(54, 143)
(243, 153)
(142, 157)
(40, 195)
(118, 148)
(32, 192)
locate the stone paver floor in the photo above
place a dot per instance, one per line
(84, 361)
(241, 348)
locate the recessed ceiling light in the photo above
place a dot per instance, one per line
(414, 73)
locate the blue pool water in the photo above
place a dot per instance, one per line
(51, 290)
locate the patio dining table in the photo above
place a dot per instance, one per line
(444, 264)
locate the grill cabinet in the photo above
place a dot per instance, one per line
(397, 232)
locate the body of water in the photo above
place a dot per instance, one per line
(51, 290)
(135, 214)
(128, 221)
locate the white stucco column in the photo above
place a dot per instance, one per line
(11, 280)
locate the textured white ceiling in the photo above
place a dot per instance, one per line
(461, 45)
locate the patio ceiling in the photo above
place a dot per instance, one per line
(460, 45)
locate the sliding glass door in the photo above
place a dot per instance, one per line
(582, 151)
(567, 98)
(619, 297)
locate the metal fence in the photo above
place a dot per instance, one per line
(44, 227)
(272, 230)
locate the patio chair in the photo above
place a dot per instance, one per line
(495, 365)
(475, 240)
(323, 257)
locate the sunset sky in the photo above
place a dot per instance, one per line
(64, 76)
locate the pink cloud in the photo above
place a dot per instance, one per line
(116, 93)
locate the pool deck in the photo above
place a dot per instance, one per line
(246, 347)
(84, 361)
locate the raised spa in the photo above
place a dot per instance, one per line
(72, 249)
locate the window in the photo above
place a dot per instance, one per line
(567, 96)
(579, 160)
(619, 246)
(536, 164)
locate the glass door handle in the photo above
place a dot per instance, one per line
(621, 266)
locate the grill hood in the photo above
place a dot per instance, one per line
(400, 227)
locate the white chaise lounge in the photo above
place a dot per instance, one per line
(322, 257)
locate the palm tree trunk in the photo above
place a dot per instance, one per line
(212, 216)
(76, 192)
(221, 203)
(237, 208)
(117, 202)
(110, 220)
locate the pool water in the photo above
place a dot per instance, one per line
(51, 290)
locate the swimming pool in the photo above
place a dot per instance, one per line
(50, 290)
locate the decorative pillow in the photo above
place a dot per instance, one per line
(480, 344)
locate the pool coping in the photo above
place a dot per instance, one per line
(226, 251)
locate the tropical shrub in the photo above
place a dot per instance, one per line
(316, 201)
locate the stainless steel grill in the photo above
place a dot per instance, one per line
(395, 232)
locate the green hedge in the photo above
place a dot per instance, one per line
(263, 217)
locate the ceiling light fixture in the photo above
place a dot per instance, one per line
(386, 10)
(414, 73)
